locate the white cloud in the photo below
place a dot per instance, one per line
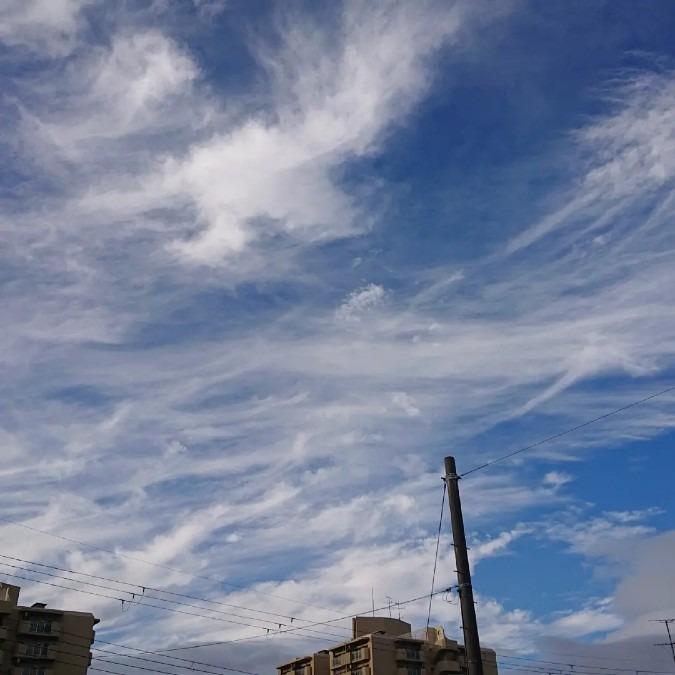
(166, 408)
(107, 98)
(42, 25)
(405, 403)
(497, 545)
(334, 101)
(361, 301)
(209, 9)
(588, 621)
(557, 478)
(600, 535)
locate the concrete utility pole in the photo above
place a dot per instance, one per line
(474, 660)
(670, 642)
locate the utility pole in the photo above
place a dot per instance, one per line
(670, 643)
(474, 660)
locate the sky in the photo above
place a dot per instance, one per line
(263, 265)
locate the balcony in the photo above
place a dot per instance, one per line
(340, 660)
(3, 633)
(19, 670)
(409, 655)
(410, 670)
(42, 652)
(41, 628)
(446, 665)
(361, 654)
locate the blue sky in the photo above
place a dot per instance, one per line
(265, 264)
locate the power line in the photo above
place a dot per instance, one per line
(320, 635)
(143, 589)
(191, 667)
(601, 658)
(568, 431)
(164, 567)
(670, 643)
(540, 670)
(544, 669)
(576, 665)
(147, 605)
(438, 544)
(318, 623)
(193, 662)
(571, 669)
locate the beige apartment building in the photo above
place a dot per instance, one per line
(386, 646)
(37, 640)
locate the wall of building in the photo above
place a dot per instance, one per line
(386, 646)
(56, 641)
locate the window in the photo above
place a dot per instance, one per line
(37, 649)
(40, 626)
(413, 654)
(414, 670)
(33, 670)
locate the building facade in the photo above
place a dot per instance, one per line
(386, 646)
(314, 664)
(38, 640)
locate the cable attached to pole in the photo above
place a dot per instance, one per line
(438, 544)
(568, 431)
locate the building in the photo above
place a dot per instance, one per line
(315, 664)
(386, 646)
(40, 641)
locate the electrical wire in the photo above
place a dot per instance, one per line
(192, 662)
(141, 592)
(575, 665)
(568, 431)
(438, 544)
(164, 567)
(602, 658)
(320, 635)
(568, 669)
(57, 648)
(291, 630)
(148, 605)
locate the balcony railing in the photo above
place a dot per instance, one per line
(446, 666)
(361, 654)
(408, 655)
(340, 660)
(35, 651)
(39, 628)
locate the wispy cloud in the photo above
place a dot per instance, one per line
(49, 26)
(557, 478)
(192, 375)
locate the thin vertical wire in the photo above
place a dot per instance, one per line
(438, 544)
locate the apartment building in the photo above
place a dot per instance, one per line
(386, 646)
(38, 640)
(314, 664)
